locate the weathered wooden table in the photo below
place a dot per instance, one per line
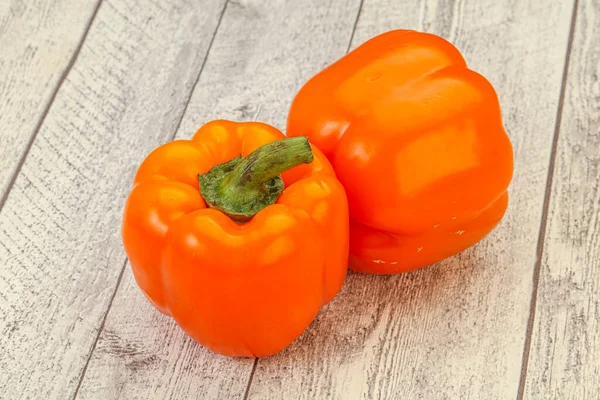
(89, 88)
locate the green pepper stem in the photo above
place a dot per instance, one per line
(242, 187)
(267, 162)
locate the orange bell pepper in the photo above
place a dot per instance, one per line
(245, 271)
(417, 140)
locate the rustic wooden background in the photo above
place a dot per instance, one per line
(89, 88)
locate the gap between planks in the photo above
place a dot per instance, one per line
(545, 208)
(100, 329)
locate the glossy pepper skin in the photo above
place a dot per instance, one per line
(417, 140)
(239, 289)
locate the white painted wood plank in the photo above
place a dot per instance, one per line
(455, 330)
(262, 53)
(60, 245)
(564, 360)
(38, 39)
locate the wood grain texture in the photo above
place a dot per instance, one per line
(38, 39)
(60, 246)
(455, 330)
(262, 53)
(564, 360)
